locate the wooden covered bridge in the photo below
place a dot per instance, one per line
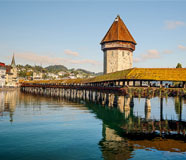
(120, 83)
(114, 89)
(135, 77)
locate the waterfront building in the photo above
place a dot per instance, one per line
(52, 76)
(2, 74)
(11, 74)
(37, 75)
(61, 73)
(80, 75)
(118, 46)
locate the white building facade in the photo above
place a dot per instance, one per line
(2, 75)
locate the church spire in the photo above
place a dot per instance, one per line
(13, 61)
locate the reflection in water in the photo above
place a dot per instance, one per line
(147, 108)
(124, 129)
(125, 132)
(122, 135)
(178, 107)
(8, 100)
(113, 146)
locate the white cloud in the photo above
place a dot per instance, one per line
(69, 52)
(151, 54)
(174, 24)
(47, 60)
(85, 61)
(136, 60)
(167, 52)
(182, 47)
(154, 54)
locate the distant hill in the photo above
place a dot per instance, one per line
(25, 70)
(56, 68)
(99, 73)
(85, 71)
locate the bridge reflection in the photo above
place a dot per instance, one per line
(121, 112)
(123, 131)
(129, 123)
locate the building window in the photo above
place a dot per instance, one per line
(123, 53)
(112, 53)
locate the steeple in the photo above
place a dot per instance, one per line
(13, 62)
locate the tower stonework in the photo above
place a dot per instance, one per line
(118, 46)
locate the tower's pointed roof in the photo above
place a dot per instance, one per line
(13, 61)
(118, 32)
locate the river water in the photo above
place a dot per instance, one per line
(45, 128)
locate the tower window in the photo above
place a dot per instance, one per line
(123, 53)
(112, 53)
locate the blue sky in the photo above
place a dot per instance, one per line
(69, 32)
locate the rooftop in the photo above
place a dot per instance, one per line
(118, 32)
(2, 64)
(153, 74)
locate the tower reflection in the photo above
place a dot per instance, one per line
(123, 133)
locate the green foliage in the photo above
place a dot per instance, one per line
(27, 66)
(22, 73)
(45, 76)
(85, 71)
(179, 65)
(37, 68)
(56, 68)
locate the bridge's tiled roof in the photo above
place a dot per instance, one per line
(156, 74)
(118, 32)
(153, 74)
(69, 81)
(111, 76)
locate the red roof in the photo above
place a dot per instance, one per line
(2, 64)
(118, 32)
(8, 69)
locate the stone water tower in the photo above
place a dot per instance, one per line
(118, 46)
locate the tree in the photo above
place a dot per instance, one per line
(22, 73)
(45, 76)
(179, 65)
